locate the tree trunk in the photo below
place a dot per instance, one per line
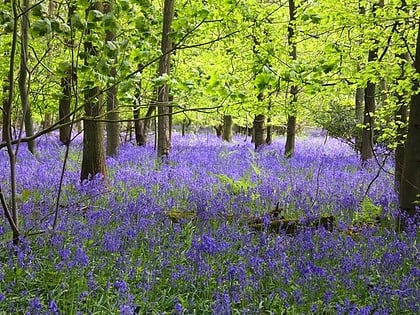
(401, 114)
(5, 131)
(291, 117)
(227, 128)
(219, 131)
(93, 160)
(139, 125)
(164, 140)
(112, 115)
(359, 100)
(368, 119)
(370, 106)
(11, 210)
(64, 105)
(410, 180)
(401, 118)
(67, 83)
(23, 75)
(290, 136)
(259, 130)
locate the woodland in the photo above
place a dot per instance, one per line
(209, 157)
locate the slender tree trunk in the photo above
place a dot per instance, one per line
(5, 123)
(291, 117)
(368, 118)
(164, 141)
(64, 105)
(67, 83)
(370, 106)
(112, 125)
(227, 128)
(23, 75)
(219, 130)
(93, 160)
(11, 210)
(139, 125)
(359, 99)
(290, 136)
(401, 118)
(410, 180)
(401, 114)
(259, 131)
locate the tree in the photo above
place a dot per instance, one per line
(23, 74)
(112, 125)
(67, 83)
(259, 130)
(291, 116)
(410, 179)
(164, 141)
(227, 127)
(93, 160)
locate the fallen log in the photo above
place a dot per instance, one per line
(290, 226)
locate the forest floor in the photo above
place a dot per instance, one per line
(195, 235)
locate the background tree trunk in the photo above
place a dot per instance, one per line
(359, 100)
(410, 180)
(93, 160)
(5, 117)
(290, 136)
(164, 140)
(291, 117)
(64, 106)
(23, 75)
(370, 106)
(227, 127)
(401, 118)
(112, 125)
(368, 119)
(67, 83)
(259, 130)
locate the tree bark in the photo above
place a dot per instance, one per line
(112, 125)
(5, 117)
(401, 118)
(67, 83)
(64, 106)
(93, 159)
(368, 118)
(23, 75)
(410, 180)
(259, 131)
(227, 128)
(370, 105)
(359, 100)
(164, 140)
(291, 117)
(290, 136)
(219, 131)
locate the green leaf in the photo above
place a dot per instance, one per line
(95, 15)
(161, 80)
(42, 27)
(110, 22)
(77, 21)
